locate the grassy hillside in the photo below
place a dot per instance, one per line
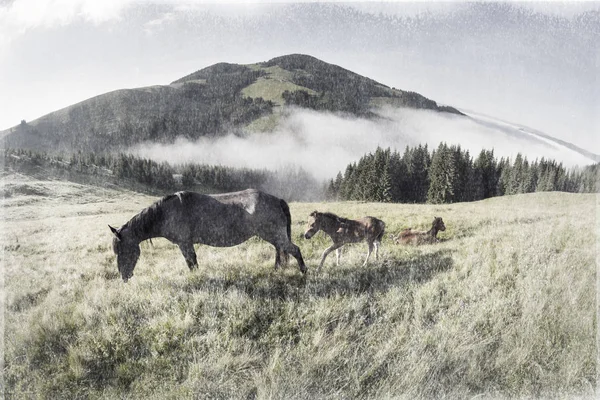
(216, 100)
(503, 307)
(273, 82)
(126, 117)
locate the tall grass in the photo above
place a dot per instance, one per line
(503, 307)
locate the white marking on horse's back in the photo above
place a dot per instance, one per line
(250, 208)
(246, 199)
(178, 194)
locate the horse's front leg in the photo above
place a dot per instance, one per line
(277, 258)
(368, 253)
(328, 250)
(187, 249)
(281, 257)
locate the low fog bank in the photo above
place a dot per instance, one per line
(476, 132)
(322, 144)
(294, 184)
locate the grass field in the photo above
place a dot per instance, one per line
(503, 307)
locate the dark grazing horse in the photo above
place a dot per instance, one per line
(343, 230)
(409, 236)
(221, 220)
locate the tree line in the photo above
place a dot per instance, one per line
(445, 175)
(127, 170)
(450, 174)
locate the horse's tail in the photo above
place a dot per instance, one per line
(288, 216)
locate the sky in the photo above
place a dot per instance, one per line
(531, 63)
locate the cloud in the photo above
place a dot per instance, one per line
(156, 25)
(19, 16)
(323, 144)
(47, 13)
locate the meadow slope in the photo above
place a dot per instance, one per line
(503, 307)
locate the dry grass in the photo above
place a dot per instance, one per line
(503, 307)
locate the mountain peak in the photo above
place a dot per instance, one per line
(297, 61)
(215, 69)
(212, 101)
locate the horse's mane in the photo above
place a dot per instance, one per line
(335, 217)
(143, 222)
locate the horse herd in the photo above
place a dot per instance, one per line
(223, 220)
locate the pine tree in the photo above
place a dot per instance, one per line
(337, 186)
(561, 178)
(385, 184)
(330, 193)
(530, 180)
(349, 182)
(463, 180)
(516, 176)
(504, 176)
(418, 161)
(398, 174)
(379, 168)
(476, 184)
(486, 168)
(442, 176)
(364, 179)
(407, 182)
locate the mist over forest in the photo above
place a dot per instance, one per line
(324, 143)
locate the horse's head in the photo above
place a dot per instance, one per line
(438, 224)
(313, 226)
(127, 251)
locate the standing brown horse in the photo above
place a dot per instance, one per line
(409, 236)
(343, 230)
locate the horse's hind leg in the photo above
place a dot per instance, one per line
(277, 257)
(281, 257)
(282, 252)
(294, 250)
(284, 257)
(189, 254)
(284, 247)
(289, 248)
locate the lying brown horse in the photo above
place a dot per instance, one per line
(409, 236)
(343, 230)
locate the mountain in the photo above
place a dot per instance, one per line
(214, 101)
